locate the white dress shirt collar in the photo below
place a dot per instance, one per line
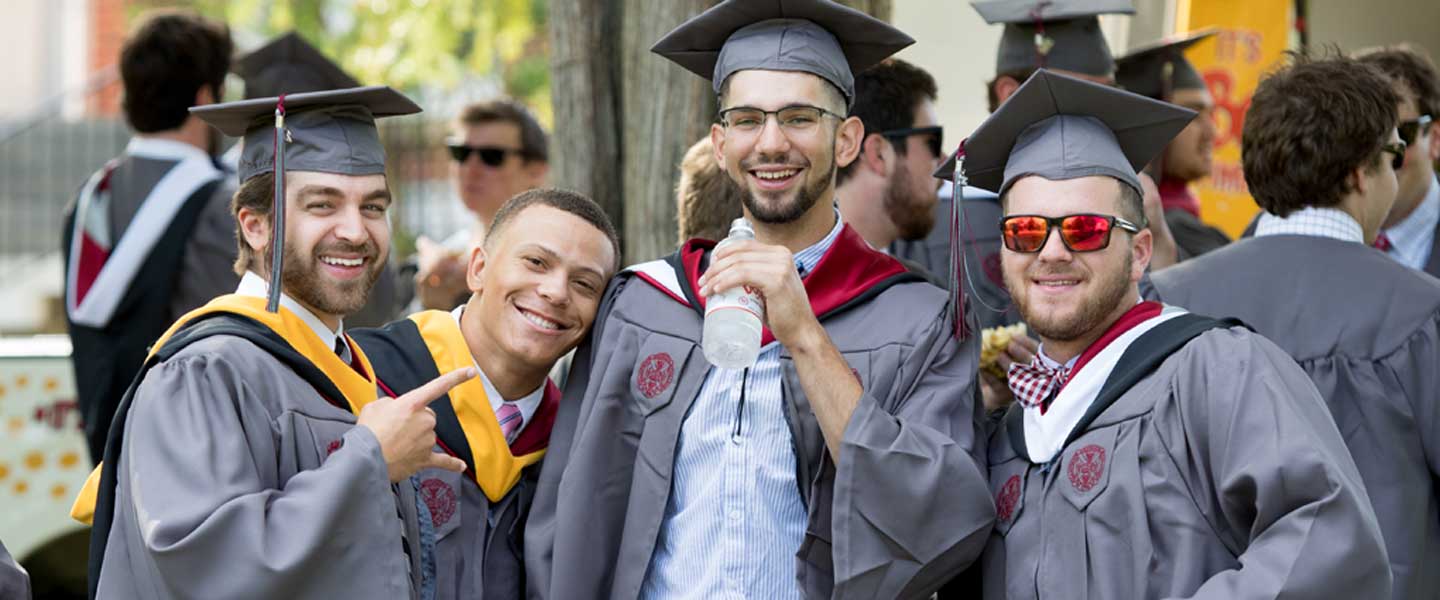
(1313, 221)
(256, 286)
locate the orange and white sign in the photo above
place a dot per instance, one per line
(1253, 36)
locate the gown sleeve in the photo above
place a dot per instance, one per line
(1254, 437)
(912, 506)
(204, 511)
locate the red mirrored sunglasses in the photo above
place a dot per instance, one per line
(1080, 233)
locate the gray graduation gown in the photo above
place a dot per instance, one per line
(14, 581)
(1220, 475)
(238, 480)
(905, 510)
(1366, 329)
(989, 300)
(1193, 237)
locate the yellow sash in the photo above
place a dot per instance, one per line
(496, 469)
(358, 389)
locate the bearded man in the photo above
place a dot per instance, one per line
(803, 475)
(1150, 453)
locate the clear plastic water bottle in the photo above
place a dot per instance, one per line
(731, 338)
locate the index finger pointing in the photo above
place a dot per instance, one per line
(422, 396)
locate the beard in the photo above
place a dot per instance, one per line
(781, 211)
(1092, 313)
(302, 280)
(912, 213)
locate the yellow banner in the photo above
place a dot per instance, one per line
(1254, 34)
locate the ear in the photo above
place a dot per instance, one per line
(1142, 247)
(255, 229)
(847, 141)
(536, 171)
(1434, 142)
(874, 154)
(717, 142)
(475, 270)
(1005, 86)
(1356, 179)
(204, 96)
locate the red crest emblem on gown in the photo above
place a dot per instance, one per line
(334, 445)
(1086, 467)
(1008, 497)
(656, 373)
(439, 497)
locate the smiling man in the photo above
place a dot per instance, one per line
(536, 283)
(1151, 453)
(253, 458)
(846, 461)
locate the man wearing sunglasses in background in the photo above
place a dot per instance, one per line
(498, 150)
(1410, 230)
(888, 193)
(1150, 452)
(1321, 151)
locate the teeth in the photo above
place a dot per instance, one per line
(1059, 283)
(540, 321)
(342, 262)
(776, 174)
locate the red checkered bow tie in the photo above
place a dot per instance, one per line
(1033, 384)
(1382, 242)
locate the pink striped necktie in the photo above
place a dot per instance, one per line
(510, 420)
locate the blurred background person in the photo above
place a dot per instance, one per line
(708, 201)
(150, 236)
(1408, 234)
(1159, 70)
(498, 150)
(888, 193)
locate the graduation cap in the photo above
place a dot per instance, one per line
(289, 65)
(1159, 68)
(819, 37)
(1060, 127)
(1052, 34)
(330, 131)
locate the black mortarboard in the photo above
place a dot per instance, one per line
(1052, 34)
(1159, 68)
(1060, 127)
(819, 37)
(289, 65)
(330, 131)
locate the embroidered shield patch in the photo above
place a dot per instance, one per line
(1086, 467)
(439, 497)
(656, 373)
(334, 445)
(1008, 497)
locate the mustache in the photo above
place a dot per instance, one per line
(369, 249)
(781, 160)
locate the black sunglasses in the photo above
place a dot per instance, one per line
(490, 155)
(1398, 149)
(935, 137)
(1410, 130)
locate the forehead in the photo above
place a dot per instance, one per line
(774, 89)
(350, 184)
(494, 132)
(1195, 98)
(559, 231)
(1040, 196)
(925, 114)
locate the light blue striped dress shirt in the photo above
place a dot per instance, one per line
(735, 519)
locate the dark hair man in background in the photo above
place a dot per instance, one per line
(150, 236)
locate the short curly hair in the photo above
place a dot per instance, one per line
(1310, 125)
(709, 201)
(1412, 69)
(171, 57)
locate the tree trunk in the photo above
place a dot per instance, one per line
(624, 117)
